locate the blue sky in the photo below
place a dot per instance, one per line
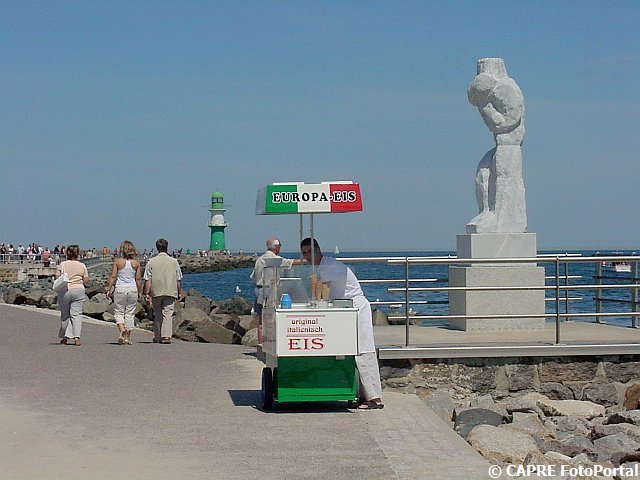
(118, 120)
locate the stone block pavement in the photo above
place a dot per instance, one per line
(191, 411)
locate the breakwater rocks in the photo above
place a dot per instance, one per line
(215, 263)
(199, 319)
(572, 413)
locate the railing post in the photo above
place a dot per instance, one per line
(598, 292)
(566, 292)
(406, 299)
(557, 299)
(635, 295)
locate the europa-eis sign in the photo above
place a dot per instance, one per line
(325, 197)
(319, 333)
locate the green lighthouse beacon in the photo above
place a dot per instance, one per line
(217, 224)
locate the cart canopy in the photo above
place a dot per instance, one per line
(299, 197)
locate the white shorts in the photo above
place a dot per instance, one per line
(125, 300)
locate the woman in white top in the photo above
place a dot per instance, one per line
(72, 298)
(125, 287)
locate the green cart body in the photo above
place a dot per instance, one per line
(316, 366)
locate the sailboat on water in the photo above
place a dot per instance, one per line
(336, 251)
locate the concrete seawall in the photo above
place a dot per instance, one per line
(18, 273)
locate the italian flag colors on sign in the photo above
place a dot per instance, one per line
(326, 197)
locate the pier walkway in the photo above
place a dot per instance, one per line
(576, 338)
(191, 411)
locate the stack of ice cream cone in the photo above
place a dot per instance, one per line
(319, 290)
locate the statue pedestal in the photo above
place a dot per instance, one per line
(497, 302)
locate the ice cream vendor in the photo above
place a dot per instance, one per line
(342, 283)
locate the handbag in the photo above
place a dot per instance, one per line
(61, 282)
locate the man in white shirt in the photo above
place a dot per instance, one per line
(344, 284)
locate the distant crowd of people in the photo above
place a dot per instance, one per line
(28, 252)
(32, 253)
(36, 253)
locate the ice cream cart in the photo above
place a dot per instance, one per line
(309, 345)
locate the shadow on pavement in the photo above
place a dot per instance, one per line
(252, 398)
(246, 398)
(311, 407)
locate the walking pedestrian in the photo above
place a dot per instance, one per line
(125, 287)
(71, 299)
(163, 285)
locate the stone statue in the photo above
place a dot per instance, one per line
(499, 184)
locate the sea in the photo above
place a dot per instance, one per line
(226, 284)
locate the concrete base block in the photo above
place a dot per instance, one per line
(497, 245)
(499, 302)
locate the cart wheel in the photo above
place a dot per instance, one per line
(267, 389)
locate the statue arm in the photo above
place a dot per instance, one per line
(480, 88)
(505, 109)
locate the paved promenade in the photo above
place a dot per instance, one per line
(190, 411)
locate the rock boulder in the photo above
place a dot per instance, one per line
(250, 339)
(48, 299)
(202, 327)
(581, 408)
(630, 416)
(632, 397)
(467, 420)
(94, 309)
(196, 300)
(620, 442)
(502, 445)
(236, 305)
(15, 296)
(379, 317)
(230, 322)
(211, 332)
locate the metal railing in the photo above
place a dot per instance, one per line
(97, 260)
(24, 258)
(37, 259)
(560, 287)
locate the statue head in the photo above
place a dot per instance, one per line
(492, 66)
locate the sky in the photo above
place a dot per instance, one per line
(118, 120)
